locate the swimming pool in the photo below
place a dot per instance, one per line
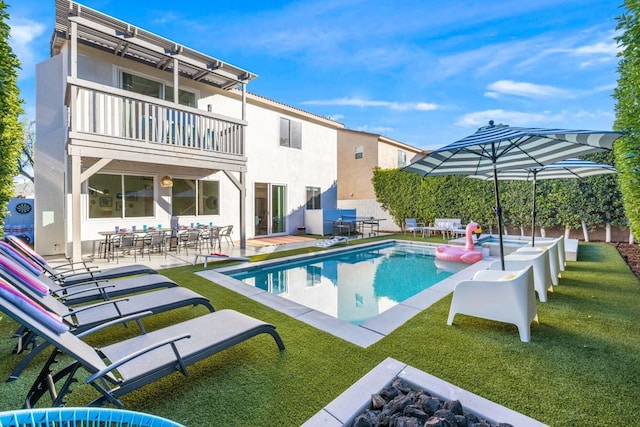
(369, 331)
(353, 286)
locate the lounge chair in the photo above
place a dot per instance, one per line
(539, 262)
(76, 272)
(86, 317)
(554, 246)
(92, 290)
(411, 225)
(503, 296)
(119, 368)
(552, 260)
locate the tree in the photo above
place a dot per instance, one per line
(627, 96)
(11, 131)
(25, 161)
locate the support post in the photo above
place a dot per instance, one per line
(76, 221)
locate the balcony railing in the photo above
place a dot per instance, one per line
(115, 113)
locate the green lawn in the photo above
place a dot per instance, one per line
(583, 361)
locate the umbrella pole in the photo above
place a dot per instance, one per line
(533, 213)
(498, 214)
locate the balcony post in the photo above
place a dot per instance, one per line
(76, 222)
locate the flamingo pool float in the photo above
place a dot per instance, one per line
(467, 254)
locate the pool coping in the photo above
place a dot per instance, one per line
(365, 334)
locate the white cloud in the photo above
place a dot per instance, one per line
(525, 89)
(23, 34)
(512, 118)
(336, 117)
(363, 103)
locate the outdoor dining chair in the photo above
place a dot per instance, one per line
(225, 233)
(187, 239)
(211, 238)
(123, 244)
(153, 241)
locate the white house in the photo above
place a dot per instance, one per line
(134, 129)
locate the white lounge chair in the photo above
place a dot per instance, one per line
(539, 262)
(554, 259)
(503, 296)
(411, 225)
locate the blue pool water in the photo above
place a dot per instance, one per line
(356, 285)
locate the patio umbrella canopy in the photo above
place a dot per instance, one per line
(564, 169)
(500, 147)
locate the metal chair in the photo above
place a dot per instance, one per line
(154, 241)
(123, 244)
(225, 233)
(189, 238)
(210, 236)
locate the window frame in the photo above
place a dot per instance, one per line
(358, 152)
(402, 158)
(290, 133)
(120, 71)
(199, 201)
(121, 198)
(313, 194)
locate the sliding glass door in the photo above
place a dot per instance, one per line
(270, 207)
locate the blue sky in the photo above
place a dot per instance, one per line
(424, 72)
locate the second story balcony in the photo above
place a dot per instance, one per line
(108, 122)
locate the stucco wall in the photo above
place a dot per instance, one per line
(50, 157)
(315, 165)
(354, 175)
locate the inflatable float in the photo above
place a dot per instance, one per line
(467, 254)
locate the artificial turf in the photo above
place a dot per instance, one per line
(582, 366)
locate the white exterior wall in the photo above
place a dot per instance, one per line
(315, 165)
(50, 156)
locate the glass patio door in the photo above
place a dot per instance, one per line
(270, 207)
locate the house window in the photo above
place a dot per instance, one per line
(402, 158)
(313, 198)
(194, 197)
(209, 192)
(359, 152)
(120, 196)
(290, 133)
(156, 89)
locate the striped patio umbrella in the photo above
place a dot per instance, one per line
(495, 148)
(564, 169)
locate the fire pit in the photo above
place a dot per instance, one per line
(357, 398)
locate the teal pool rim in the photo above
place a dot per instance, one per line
(365, 334)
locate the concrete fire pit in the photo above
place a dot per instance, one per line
(357, 398)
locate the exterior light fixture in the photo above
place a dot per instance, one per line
(166, 182)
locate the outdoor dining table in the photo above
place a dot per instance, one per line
(371, 223)
(105, 247)
(359, 224)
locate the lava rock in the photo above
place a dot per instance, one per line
(367, 419)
